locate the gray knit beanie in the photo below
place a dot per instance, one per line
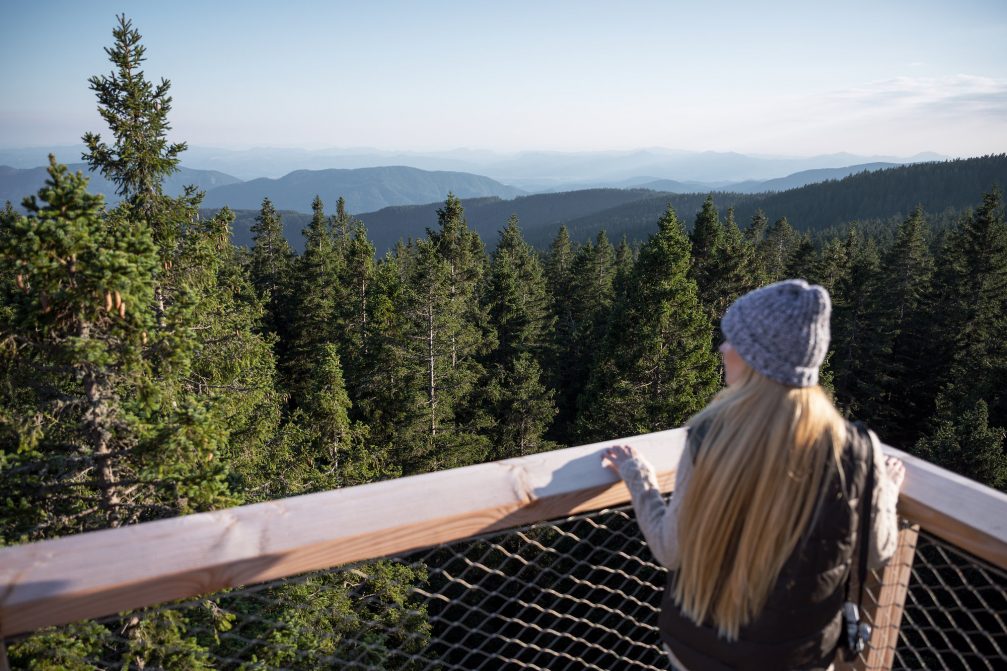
(781, 330)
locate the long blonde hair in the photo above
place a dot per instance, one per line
(753, 490)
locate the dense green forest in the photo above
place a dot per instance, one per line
(152, 368)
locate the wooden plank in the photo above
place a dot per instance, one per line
(106, 572)
(964, 513)
(884, 599)
(889, 587)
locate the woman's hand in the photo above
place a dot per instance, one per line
(896, 471)
(616, 456)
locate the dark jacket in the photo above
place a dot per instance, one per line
(801, 622)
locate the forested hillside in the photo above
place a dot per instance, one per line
(878, 195)
(149, 367)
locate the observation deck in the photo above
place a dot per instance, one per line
(528, 563)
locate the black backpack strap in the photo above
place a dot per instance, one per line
(857, 632)
(864, 539)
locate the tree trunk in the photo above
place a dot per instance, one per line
(97, 419)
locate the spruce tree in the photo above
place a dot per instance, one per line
(581, 328)
(906, 273)
(517, 303)
(657, 367)
(315, 298)
(858, 352)
(967, 444)
(969, 314)
(96, 443)
(707, 239)
(136, 112)
(270, 265)
(357, 284)
(232, 366)
(516, 298)
(777, 248)
(428, 376)
(624, 259)
(731, 271)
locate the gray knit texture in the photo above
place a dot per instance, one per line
(781, 330)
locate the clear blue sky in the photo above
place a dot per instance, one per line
(794, 78)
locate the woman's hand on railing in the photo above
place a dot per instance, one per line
(896, 471)
(614, 457)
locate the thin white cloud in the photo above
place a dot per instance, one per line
(959, 95)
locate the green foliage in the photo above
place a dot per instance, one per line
(517, 303)
(968, 445)
(71, 648)
(136, 112)
(657, 367)
(516, 298)
(270, 266)
(724, 263)
(81, 357)
(777, 248)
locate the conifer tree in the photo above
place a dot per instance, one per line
(757, 228)
(270, 266)
(232, 366)
(435, 335)
(357, 284)
(589, 303)
(96, 445)
(967, 444)
(731, 271)
(516, 297)
(802, 260)
(857, 351)
(906, 273)
(968, 314)
(777, 249)
(136, 112)
(707, 239)
(657, 367)
(315, 299)
(518, 306)
(624, 259)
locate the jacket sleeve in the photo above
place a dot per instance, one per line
(884, 519)
(657, 520)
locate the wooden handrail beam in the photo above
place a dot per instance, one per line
(105, 572)
(963, 512)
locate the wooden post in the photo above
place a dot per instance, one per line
(885, 596)
(4, 664)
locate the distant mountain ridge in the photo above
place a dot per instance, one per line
(864, 195)
(16, 183)
(364, 189)
(533, 171)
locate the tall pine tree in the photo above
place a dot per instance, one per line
(657, 367)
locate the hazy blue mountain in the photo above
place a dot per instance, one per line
(16, 183)
(364, 189)
(533, 171)
(709, 167)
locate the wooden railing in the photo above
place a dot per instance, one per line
(106, 572)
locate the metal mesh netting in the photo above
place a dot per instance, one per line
(580, 593)
(955, 614)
